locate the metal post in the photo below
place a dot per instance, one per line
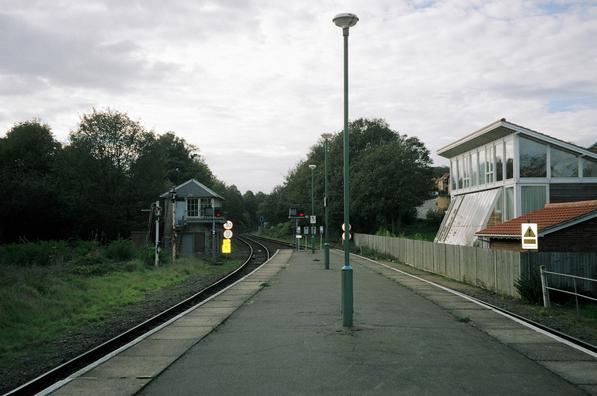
(326, 248)
(298, 243)
(157, 233)
(173, 226)
(576, 297)
(213, 230)
(546, 302)
(312, 213)
(347, 296)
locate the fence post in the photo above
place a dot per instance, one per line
(546, 303)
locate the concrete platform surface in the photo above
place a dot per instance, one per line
(289, 340)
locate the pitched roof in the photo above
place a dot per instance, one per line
(501, 128)
(194, 189)
(549, 219)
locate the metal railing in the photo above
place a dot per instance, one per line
(546, 288)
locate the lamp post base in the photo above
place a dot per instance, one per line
(347, 308)
(326, 255)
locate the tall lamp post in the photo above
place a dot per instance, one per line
(312, 167)
(326, 245)
(346, 21)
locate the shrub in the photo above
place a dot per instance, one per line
(529, 287)
(90, 264)
(120, 250)
(33, 253)
(147, 256)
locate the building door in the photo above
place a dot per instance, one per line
(199, 242)
(187, 245)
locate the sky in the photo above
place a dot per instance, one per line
(254, 84)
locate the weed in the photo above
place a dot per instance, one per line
(464, 319)
(265, 284)
(121, 250)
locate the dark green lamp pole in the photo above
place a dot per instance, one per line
(326, 245)
(346, 21)
(312, 167)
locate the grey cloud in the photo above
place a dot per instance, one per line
(71, 57)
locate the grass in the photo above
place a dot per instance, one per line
(42, 303)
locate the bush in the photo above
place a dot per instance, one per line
(29, 254)
(90, 264)
(147, 256)
(529, 287)
(120, 250)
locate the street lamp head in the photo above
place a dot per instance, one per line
(345, 20)
(312, 166)
(326, 135)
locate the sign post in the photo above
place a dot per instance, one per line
(227, 241)
(529, 236)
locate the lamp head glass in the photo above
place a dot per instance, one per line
(312, 166)
(345, 20)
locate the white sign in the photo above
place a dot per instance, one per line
(298, 229)
(529, 236)
(298, 236)
(321, 229)
(349, 236)
(228, 225)
(349, 227)
(228, 234)
(312, 219)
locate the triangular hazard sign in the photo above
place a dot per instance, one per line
(529, 233)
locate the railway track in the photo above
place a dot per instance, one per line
(259, 253)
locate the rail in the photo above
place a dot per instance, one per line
(546, 288)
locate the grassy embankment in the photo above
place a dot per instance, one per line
(48, 289)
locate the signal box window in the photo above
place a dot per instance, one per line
(193, 207)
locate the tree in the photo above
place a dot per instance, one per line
(29, 201)
(389, 182)
(593, 148)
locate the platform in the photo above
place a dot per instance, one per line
(409, 338)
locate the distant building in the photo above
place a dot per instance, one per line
(442, 184)
(562, 227)
(503, 171)
(198, 212)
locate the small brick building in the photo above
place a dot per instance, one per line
(562, 227)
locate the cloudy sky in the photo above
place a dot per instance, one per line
(253, 84)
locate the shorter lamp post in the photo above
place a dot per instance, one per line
(326, 246)
(173, 239)
(312, 167)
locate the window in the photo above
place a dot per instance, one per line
(589, 168)
(509, 159)
(533, 158)
(453, 174)
(482, 166)
(563, 163)
(532, 198)
(496, 213)
(467, 170)
(474, 168)
(499, 161)
(192, 207)
(489, 157)
(509, 203)
(460, 166)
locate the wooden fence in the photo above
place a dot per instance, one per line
(489, 269)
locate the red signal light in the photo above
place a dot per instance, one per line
(217, 213)
(301, 214)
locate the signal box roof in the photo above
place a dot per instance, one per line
(551, 218)
(192, 189)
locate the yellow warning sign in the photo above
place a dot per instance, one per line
(529, 236)
(226, 246)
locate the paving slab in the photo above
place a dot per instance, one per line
(290, 340)
(84, 386)
(182, 332)
(584, 373)
(553, 351)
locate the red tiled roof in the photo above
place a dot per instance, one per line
(549, 216)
